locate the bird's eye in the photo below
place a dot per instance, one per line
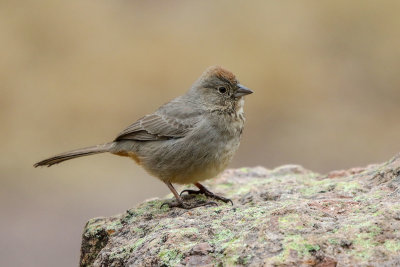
(222, 90)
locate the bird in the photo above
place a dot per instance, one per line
(188, 140)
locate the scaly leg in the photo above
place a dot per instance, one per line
(206, 192)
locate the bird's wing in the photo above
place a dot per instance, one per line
(173, 120)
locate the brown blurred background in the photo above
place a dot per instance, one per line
(75, 73)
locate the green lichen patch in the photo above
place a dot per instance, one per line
(170, 257)
(295, 246)
(351, 187)
(311, 187)
(392, 245)
(291, 222)
(364, 246)
(222, 237)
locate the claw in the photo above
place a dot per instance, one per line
(223, 199)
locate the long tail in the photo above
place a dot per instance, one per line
(75, 154)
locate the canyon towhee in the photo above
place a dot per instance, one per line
(189, 139)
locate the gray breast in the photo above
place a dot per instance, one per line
(200, 155)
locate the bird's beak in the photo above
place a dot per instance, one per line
(241, 91)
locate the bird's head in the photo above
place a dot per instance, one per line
(218, 86)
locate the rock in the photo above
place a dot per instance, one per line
(288, 216)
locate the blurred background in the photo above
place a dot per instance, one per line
(75, 73)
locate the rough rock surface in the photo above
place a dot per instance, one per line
(288, 216)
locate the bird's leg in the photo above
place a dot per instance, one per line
(180, 203)
(206, 192)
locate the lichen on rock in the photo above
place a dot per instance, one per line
(288, 216)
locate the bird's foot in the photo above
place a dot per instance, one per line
(182, 205)
(208, 194)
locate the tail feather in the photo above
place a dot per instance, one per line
(75, 154)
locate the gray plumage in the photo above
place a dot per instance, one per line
(187, 140)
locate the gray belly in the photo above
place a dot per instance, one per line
(200, 155)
